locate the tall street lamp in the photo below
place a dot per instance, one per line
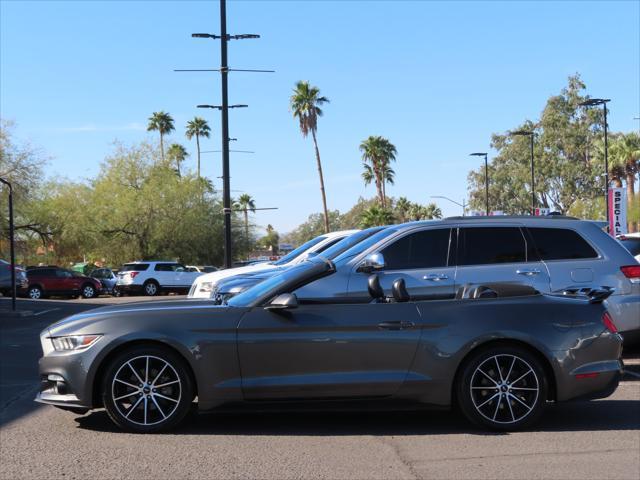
(463, 204)
(531, 135)
(12, 245)
(486, 177)
(594, 102)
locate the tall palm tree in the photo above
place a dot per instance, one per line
(374, 216)
(177, 154)
(246, 204)
(402, 207)
(377, 154)
(163, 123)
(305, 103)
(198, 127)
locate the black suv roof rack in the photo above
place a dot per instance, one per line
(509, 217)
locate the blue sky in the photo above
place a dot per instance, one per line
(436, 78)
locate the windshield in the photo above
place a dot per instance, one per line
(300, 250)
(249, 296)
(348, 242)
(360, 247)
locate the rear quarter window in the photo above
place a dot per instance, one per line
(134, 267)
(561, 244)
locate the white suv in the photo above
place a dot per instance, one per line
(152, 278)
(205, 284)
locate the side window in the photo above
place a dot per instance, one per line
(490, 245)
(561, 244)
(329, 244)
(163, 267)
(63, 274)
(99, 274)
(424, 249)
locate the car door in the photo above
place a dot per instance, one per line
(325, 351)
(497, 254)
(423, 258)
(64, 281)
(164, 274)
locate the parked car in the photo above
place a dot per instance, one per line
(201, 268)
(631, 241)
(500, 353)
(154, 277)
(436, 257)
(47, 281)
(231, 286)
(203, 287)
(6, 288)
(107, 278)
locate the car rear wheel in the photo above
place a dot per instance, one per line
(502, 388)
(151, 288)
(88, 291)
(34, 293)
(147, 389)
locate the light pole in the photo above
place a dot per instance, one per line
(531, 135)
(463, 204)
(12, 245)
(486, 177)
(594, 102)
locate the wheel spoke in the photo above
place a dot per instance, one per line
(499, 371)
(134, 372)
(125, 396)
(158, 375)
(513, 362)
(489, 387)
(517, 399)
(131, 409)
(126, 383)
(146, 372)
(158, 407)
(521, 377)
(492, 380)
(495, 414)
(487, 401)
(166, 384)
(165, 397)
(511, 410)
(525, 388)
(146, 403)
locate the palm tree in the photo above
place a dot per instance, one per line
(198, 127)
(305, 105)
(177, 154)
(246, 204)
(378, 153)
(163, 123)
(402, 207)
(625, 163)
(374, 216)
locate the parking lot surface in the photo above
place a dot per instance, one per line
(589, 440)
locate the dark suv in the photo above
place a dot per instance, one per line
(44, 281)
(5, 279)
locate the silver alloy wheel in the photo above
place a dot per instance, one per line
(504, 389)
(151, 289)
(88, 291)
(146, 390)
(35, 293)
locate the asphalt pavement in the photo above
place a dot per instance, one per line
(586, 440)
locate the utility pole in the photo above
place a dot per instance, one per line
(486, 178)
(12, 245)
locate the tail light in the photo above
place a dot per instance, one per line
(632, 272)
(608, 323)
(133, 274)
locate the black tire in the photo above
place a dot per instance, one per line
(115, 292)
(88, 291)
(151, 288)
(147, 409)
(502, 388)
(35, 292)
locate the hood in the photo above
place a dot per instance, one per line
(102, 315)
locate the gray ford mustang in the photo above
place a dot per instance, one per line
(500, 353)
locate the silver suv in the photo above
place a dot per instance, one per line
(435, 258)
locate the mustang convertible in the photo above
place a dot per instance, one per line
(498, 352)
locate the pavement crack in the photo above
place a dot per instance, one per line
(398, 453)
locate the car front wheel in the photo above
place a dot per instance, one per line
(147, 389)
(502, 388)
(151, 288)
(34, 293)
(88, 291)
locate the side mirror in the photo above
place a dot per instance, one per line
(284, 301)
(371, 263)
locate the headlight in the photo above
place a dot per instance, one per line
(74, 342)
(206, 287)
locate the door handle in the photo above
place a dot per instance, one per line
(528, 272)
(435, 277)
(397, 325)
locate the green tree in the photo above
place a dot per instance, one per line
(161, 122)
(305, 103)
(246, 204)
(376, 215)
(423, 212)
(177, 154)
(271, 240)
(198, 127)
(402, 209)
(377, 155)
